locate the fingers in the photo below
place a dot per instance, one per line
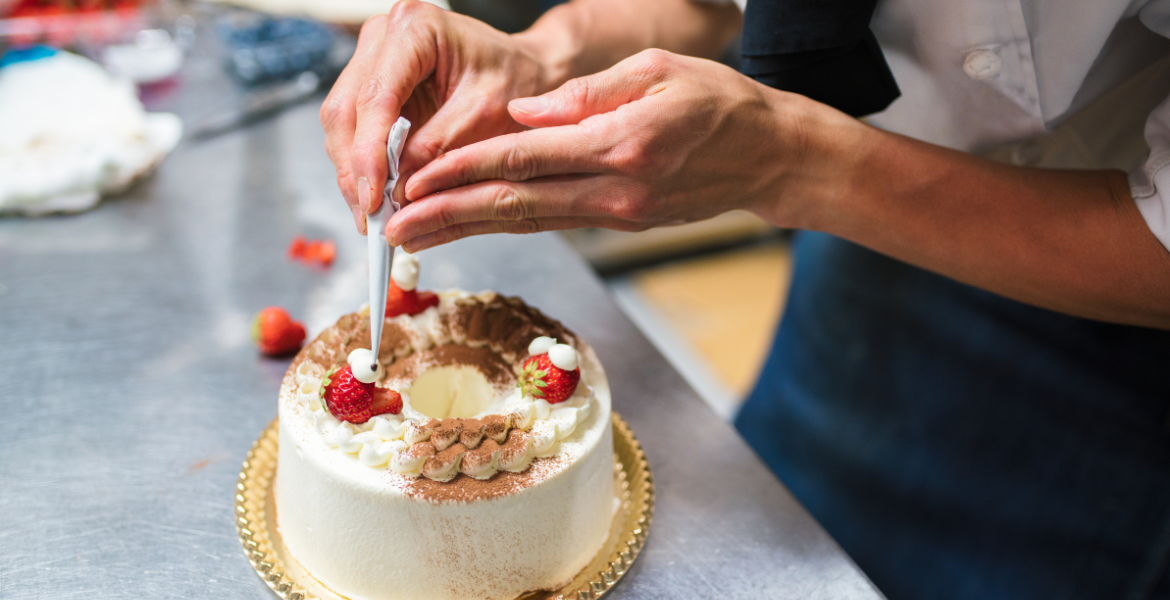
(567, 142)
(517, 157)
(338, 118)
(553, 197)
(465, 119)
(634, 78)
(395, 53)
(534, 225)
(406, 56)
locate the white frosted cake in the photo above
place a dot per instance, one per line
(461, 484)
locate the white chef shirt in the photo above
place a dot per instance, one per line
(1054, 83)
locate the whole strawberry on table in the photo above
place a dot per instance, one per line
(276, 333)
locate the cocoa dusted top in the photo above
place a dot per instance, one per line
(503, 323)
(488, 332)
(495, 369)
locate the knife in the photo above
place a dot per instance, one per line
(381, 253)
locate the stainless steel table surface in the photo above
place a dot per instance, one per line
(130, 391)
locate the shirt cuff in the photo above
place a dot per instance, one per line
(1150, 183)
(740, 3)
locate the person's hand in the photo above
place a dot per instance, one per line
(658, 139)
(450, 75)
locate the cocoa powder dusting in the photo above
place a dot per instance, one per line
(504, 323)
(489, 333)
(494, 368)
(516, 445)
(468, 489)
(471, 317)
(420, 450)
(448, 456)
(472, 433)
(444, 433)
(406, 369)
(495, 427)
(480, 457)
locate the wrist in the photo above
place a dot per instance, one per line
(818, 166)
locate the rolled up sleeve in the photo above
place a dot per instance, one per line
(1150, 183)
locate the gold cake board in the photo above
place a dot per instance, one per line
(255, 522)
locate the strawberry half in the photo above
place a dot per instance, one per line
(348, 399)
(275, 333)
(345, 397)
(540, 378)
(412, 302)
(386, 401)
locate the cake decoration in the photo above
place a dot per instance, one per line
(551, 376)
(402, 297)
(459, 370)
(365, 365)
(276, 333)
(541, 345)
(404, 270)
(408, 302)
(470, 488)
(348, 399)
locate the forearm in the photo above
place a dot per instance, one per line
(586, 36)
(1071, 241)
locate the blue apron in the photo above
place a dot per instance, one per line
(960, 445)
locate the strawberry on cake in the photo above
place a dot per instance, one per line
(472, 458)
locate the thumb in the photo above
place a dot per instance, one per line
(583, 97)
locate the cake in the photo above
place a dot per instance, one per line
(476, 466)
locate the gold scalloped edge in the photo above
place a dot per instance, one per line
(255, 480)
(258, 467)
(638, 489)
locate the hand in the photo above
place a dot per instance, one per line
(659, 139)
(450, 75)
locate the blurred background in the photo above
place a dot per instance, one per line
(87, 78)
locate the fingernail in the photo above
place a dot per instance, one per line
(401, 236)
(411, 189)
(532, 106)
(359, 219)
(363, 186)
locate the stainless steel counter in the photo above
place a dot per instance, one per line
(130, 392)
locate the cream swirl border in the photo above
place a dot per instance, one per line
(384, 440)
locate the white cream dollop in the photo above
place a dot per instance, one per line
(563, 357)
(360, 362)
(404, 271)
(541, 345)
(388, 429)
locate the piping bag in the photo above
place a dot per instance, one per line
(381, 253)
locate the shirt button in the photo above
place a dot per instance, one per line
(982, 65)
